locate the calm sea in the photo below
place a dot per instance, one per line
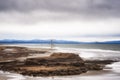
(115, 47)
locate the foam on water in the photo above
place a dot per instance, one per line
(16, 77)
(115, 67)
(92, 53)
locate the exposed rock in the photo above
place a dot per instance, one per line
(56, 59)
(100, 61)
(13, 52)
(54, 65)
(66, 56)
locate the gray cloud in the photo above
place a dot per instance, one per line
(89, 18)
(97, 8)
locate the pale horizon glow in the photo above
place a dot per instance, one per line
(85, 22)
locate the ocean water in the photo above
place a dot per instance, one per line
(115, 47)
(86, 51)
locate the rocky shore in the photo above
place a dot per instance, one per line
(13, 52)
(57, 64)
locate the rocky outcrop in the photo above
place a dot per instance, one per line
(56, 59)
(13, 52)
(53, 65)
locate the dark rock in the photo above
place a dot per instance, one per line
(57, 64)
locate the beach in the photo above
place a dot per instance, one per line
(59, 39)
(110, 72)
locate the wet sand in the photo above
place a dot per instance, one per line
(3, 78)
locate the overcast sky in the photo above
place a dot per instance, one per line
(82, 20)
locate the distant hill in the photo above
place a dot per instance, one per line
(7, 41)
(110, 42)
(11, 41)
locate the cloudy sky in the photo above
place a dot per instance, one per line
(82, 20)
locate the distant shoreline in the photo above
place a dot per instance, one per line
(35, 41)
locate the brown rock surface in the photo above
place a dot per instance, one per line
(13, 52)
(54, 65)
